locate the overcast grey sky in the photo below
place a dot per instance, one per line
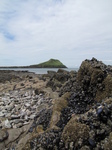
(33, 31)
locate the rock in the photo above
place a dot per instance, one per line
(108, 144)
(36, 91)
(58, 79)
(22, 142)
(32, 116)
(18, 107)
(71, 146)
(99, 110)
(26, 94)
(2, 146)
(62, 71)
(2, 114)
(46, 140)
(58, 106)
(27, 104)
(8, 115)
(6, 124)
(44, 119)
(28, 112)
(74, 131)
(51, 73)
(3, 135)
(77, 117)
(92, 142)
(13, 135)
(85, 148)
(107, 90)
(19, 125)
(15, 116)
(40, 101)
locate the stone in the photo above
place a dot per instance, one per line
(15, 116)
(79, 120)
(92, 142)
(2, 146)
(85, 148)
(3, 135)
(71, 145)
(74, 131)
(99, 110)
(6, 124)
(26, 94)
(108, 144)
(19, 125)
(32, 116)
(2, 114)
(13, 135)
(27, 104)
(18, 107)
(8, 115)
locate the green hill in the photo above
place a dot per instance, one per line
(52, 63)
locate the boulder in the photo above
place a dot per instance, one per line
(95, 79)
(75, 132)
(51, 73)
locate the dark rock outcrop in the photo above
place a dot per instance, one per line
(80, 115)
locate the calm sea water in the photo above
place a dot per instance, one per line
(38, 70)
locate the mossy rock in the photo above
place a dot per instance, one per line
(107, 92)
(86, 69)
(93, 77)
(58, 106)
(74, 132)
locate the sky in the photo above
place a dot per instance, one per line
(34, 31)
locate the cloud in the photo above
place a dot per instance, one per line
(35, 31)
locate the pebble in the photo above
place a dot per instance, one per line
(92, 142)
(99, 110)
(6, 124)
(18, 108)
(2, 114)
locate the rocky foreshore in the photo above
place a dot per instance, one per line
(57, 111)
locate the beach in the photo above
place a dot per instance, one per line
(58, 110)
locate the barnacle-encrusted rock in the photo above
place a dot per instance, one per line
(75, 132)
(108, 144)
(58, 106)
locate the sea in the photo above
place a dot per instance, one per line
(39, 70)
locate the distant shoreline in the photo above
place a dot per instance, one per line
(30, 67)
(38, 70)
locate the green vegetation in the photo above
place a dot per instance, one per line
(52, 63)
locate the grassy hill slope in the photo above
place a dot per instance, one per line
(52, 63)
